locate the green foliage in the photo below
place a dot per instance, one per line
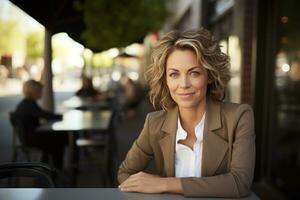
(10, 39)
(117, 23)
(101, 60)
(34, 45)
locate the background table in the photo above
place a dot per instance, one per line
(77, 121)
(91, 194)
(85, 103)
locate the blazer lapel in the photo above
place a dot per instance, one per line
(167, 141)
(214, 147)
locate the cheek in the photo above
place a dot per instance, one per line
(171, 85)
(200, 84)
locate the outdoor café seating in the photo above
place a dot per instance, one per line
(27, 174)
(20, 147)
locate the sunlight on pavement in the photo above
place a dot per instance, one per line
(14, 86)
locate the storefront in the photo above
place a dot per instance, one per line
(223, 19)
(278, 95)
(262, 39)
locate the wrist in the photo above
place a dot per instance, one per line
(172, 185)
(165, 184)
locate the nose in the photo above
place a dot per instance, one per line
(184, 82)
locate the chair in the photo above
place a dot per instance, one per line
(19, 141)
(94, 141)
(42, 175)
(112, 147)
(90, 145)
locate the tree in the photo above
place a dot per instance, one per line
(10, 39)
(34, 45)
(118, 23)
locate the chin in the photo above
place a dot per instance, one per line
(188, 105)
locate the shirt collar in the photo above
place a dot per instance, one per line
(200, 128)
(181, 133)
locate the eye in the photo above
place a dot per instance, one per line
(173, 74)
(195, 73)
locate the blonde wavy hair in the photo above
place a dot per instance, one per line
(208, 54)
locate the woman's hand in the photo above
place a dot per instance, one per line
(145, 183)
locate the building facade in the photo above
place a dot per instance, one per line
(262, 39)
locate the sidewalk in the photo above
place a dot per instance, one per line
(10, 87)
(14, 86)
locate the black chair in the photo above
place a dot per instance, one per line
(15, 175)
(92, 146)
(111, 151)
(19, 142)
(103, 145)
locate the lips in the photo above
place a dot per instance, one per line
(186, 94)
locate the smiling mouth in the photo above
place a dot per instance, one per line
(186, 94)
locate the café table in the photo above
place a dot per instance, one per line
(78, 121)
(92, 194)
(85, 103)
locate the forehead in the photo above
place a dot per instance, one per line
(182, 58)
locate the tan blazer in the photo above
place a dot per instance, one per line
(228, 150)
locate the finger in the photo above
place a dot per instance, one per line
(130, 189)
(129, 179)
(130, 182)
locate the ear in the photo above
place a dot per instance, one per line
(209, 81)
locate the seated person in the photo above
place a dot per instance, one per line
(30, 113)
(87, 89)
(202, 146)
(132, 96)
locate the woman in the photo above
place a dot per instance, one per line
(30, 113)
(201, 145)
(87, 90)
(131, 97)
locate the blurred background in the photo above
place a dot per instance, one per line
(60, 41)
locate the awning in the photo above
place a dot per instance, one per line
(55, 15)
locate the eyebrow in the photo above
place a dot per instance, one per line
(192, 68)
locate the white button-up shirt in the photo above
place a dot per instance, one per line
(188, 162)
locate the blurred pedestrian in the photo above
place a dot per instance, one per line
(131, 95)
(87, 90)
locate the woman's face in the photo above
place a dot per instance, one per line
(187, 80)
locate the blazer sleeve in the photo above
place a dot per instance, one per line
(237, 182)
(138, 156)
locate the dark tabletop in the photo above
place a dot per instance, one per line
(78, 120)
(87, 103)
(90, 194)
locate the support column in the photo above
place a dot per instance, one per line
(47, 99)
(247, 57)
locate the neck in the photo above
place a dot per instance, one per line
(190, 117)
